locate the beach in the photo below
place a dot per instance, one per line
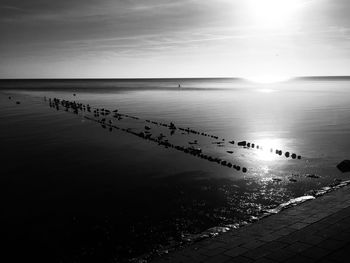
(314, 231)
(76, 190)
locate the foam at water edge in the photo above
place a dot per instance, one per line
(215, 231)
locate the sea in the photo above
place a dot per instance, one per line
(146, 166)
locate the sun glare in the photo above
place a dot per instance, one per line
(265, 155)
(272, 14)
(268, 144)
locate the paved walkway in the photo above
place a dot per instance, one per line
(315, 231)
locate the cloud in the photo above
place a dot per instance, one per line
(44, 30)
(55, 23)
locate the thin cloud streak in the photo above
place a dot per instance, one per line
(131, 29)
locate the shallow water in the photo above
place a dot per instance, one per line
(75, 191)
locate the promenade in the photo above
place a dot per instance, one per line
(315, 231)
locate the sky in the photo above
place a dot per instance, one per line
(256, 39)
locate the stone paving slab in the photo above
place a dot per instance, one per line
(315, 231)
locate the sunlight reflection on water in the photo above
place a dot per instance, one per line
(266, 90)
(191, 194)
(269, 145)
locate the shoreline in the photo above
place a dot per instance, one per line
(209, 236)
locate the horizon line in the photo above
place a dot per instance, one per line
(171, 78)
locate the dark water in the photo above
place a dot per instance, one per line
(73, 191)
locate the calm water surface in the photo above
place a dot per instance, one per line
(74, 191)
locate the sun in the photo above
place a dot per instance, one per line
(272, 14)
